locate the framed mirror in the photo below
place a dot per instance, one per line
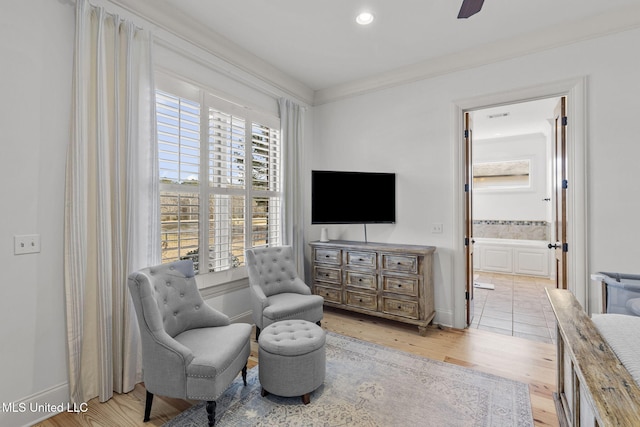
(502, 175)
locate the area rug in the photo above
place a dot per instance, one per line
(373, 386)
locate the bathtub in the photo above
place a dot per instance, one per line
(510, 256)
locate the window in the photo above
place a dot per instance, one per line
(220, 172)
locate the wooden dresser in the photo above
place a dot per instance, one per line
(379, 279)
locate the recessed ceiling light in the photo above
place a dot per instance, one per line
(365, 18)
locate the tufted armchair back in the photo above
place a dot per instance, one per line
(170, 300)
(274, 270)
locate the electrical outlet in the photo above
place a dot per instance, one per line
(437, 227)
(26, 244)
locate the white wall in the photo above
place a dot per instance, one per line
(525, 204)
(36, 47)
(410, 130)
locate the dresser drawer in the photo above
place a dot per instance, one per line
(327, 274)
(405, 263)
(361, 259)
(329, 294)
(361, 280)
(400, 285)
(401, 308)
(361, 300)
(328, 256)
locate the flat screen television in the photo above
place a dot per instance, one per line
(353, 197)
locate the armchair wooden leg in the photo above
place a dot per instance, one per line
(211, 412)
(306, 398)
(244, 374)
(147, 406)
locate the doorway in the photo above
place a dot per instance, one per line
(511, 214)
(577, 266)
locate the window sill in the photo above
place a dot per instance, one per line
(222, 282)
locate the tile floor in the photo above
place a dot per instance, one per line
(518, 306)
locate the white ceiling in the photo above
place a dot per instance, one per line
(315, 50)
(515, 119)
(319, 44)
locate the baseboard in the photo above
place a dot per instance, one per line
(444, 318)
(245, 317)
(38, 407)
(562, 419)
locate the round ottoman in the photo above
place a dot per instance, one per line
(291, 358)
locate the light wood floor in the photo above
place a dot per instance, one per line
(510, 357)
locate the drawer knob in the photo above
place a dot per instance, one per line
(359, 280)
(327, 256)
(399, 286)
(360, 300)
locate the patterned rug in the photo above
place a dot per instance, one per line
(373, 386)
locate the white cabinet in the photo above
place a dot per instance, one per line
(526, 257)
(496, 258)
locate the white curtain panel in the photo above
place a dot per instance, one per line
(291, 122)
(111, 206)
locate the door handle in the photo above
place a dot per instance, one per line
(552, 246)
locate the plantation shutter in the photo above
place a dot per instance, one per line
(178, 123)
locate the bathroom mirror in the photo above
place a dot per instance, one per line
(502, 175)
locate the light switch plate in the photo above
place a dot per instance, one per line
(437, 227)
(26, 244)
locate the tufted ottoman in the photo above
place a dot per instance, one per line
(291, 358)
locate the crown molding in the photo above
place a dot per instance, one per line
(622, 19)
(178, 24)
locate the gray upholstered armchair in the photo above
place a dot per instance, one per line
(277, 293)
(189, 350)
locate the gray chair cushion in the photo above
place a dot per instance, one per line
(218, 355)
(293, 306)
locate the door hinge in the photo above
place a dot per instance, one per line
(565, 120)
(466, 241)
(466, 133)
(565, 184)
(565, 247)
(466, 188)
(466, 295)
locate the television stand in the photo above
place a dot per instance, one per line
(379, 279)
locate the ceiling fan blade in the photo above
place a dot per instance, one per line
(470, 7)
